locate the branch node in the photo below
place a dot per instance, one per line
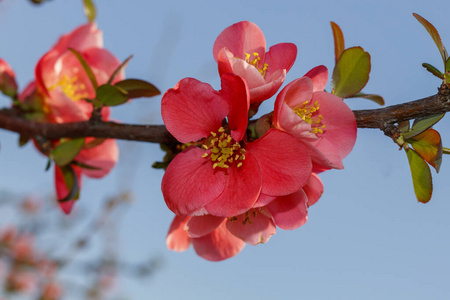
(444, 92)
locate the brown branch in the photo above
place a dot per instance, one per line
(373, 118)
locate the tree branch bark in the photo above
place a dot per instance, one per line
(371, 118)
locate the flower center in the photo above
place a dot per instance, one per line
(247, 217)
(73, 89)
(224, 150)
(309, 113)
(256, 61)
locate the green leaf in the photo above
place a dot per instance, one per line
(49, 164)
(71, 181)
(421, 176)
(433, 70)
(403, 126)
(111, 95)
(428, 145)
(85, 166)
(89, 10)
(66, 151)
(447, 71)
(376, 98)
(86, 67)
(138, 88)
(422, 124)
(23, 140)
(119, 68)
(351, 72)
(339, 45)
(434, 35)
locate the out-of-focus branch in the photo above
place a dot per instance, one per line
(372, 118)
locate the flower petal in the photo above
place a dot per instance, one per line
(192, 109)
(177, 238)
(235, 92)
(313, 189)
(228, 63)
(83, 37)
(284, 162)
(290, 122)
(339, 134)
(319, 77)
(190, 182)
(263, 200)
(240, 38)
(103, 64)
(290, 212)
(267, 90)
(103, 156)
(242, 189)
(218, 245)
(294, 94)
(201, 225)
(252, 227)
(280, 57)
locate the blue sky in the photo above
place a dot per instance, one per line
(366, 238)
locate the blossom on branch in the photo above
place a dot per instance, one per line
(320, 120)
(61, 90)
(241, 49)
(221, 172)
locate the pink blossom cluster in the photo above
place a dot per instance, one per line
(58, 94)
(238, 179)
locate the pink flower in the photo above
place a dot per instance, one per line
(221, 173)
(218, 238)
(8, 85)
(63, 85)
(241, 49)
(322, 121)
(219, 244)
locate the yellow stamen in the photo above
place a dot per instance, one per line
(71, 87)
(224, 151)
(309, 113)
(256, 62)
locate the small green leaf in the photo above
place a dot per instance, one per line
(71, 181)
(428, 145)
(111, 95)
(23, 140)
(66, 151)
(49, 164)
(89, 10)
(434, 35)
(351, 72)
(420, 125)
(85, 166)
(119, 68)
(138, 88)
(403, 126)
(447, 71)
(339, 44)
(86, 67)
(376, 98)
(421, 176)
(433, 70)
